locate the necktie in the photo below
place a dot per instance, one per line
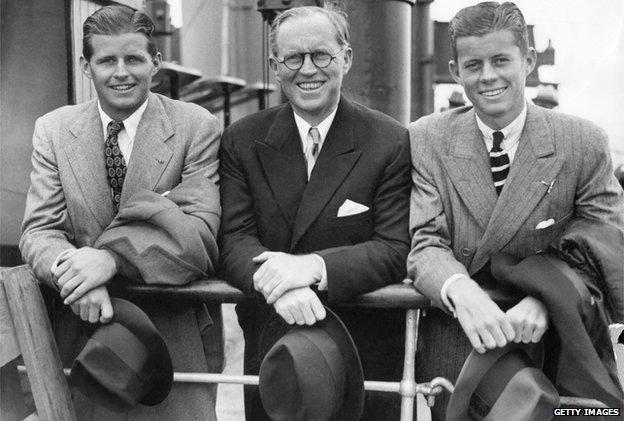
(312, 151)
(115, 162)
(499, 160)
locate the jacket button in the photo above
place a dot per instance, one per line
(465, 251)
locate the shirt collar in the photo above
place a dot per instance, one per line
(512, 130)
(323, 127)
(131, 124)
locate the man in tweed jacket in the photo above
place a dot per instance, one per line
(166, 227)
(558, 167)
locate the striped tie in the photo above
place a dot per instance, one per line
(499, 160)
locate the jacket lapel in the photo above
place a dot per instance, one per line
(535, 166)
(467, 165)
(150, 154)
(85, 153)
(282, 159)
(335, 161)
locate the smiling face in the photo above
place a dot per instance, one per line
(312, 92)
(121, 69)
(493, 71)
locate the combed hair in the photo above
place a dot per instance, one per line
(487, 17)
(117, 20)
(337, 17)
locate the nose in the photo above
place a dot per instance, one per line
(488, 73)
(307, 67)
(121, 71)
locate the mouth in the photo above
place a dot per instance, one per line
(310, 86)
(493, 92)
(122, 88)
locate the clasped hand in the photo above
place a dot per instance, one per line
(301, 306)
(280, 272)
(487, 326)
(83, 270)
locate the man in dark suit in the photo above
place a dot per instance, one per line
(500, 175)
(126, 184)
(315, 202)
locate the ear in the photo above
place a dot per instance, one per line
(156, 61)
(273, 64)
(348, 60)
(531, 60)
(85, 67)
(454, 71)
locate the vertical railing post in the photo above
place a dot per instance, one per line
(36, 342)
(408, 382)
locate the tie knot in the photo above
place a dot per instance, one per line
(498, 139)
(315, 135)
(114, 127)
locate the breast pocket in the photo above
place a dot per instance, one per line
(544, 236)
(354, 228)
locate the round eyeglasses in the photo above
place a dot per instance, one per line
(320, 59)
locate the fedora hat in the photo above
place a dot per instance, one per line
(124, 362)
(313, 373)
(503, 384)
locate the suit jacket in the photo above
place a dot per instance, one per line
(562, 168)
(268, 203)
(69, 205)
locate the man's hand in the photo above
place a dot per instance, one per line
(301, 306)
(281, 272)
(483, 321)
(94, 306)
(84, 270)
(529, 319)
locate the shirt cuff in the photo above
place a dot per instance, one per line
(322, 284)
(445, 299)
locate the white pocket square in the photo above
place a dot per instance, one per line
(350, 207)
(545, 224)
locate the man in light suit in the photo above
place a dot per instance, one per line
(126, 185)
(473, 198)
(304, 222)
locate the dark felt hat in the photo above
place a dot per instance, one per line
(503, 384)
(313, 372)
(124, 362)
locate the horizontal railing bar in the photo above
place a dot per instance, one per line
(370, 385)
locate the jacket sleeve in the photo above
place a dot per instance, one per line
(238, 238)
(598, 194)
(431, 260)
(356, 269)
(46, 228)
(157, 237)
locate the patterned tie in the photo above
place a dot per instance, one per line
(314, 138)
(115, 162)
(499, 160)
